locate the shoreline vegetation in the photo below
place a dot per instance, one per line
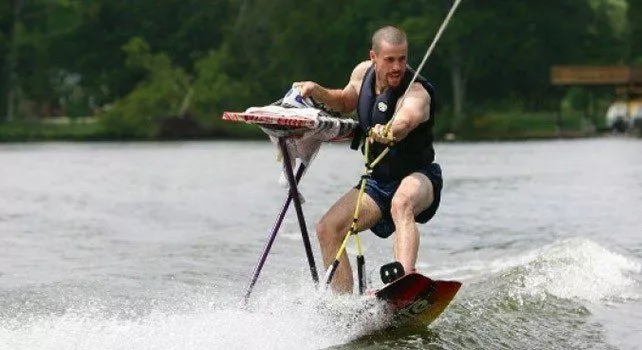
(500, 126)
(172, 67)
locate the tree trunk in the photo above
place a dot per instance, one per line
(458, 80)
(8, 71)
(240, 18)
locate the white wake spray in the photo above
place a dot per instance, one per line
(279, 317)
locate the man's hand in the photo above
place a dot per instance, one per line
(378, 134)
(306, 88)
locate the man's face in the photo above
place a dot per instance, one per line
(390, 64)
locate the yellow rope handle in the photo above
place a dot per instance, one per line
(362, 186)
(354, 228)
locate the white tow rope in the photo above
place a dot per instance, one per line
(423, 61)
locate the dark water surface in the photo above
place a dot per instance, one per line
(151, 246)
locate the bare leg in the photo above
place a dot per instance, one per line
(414, 195)
(334, 226)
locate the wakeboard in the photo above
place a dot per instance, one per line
(416, 299)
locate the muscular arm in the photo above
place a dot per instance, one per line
(334, 99)
(414, 110)
(341, 100)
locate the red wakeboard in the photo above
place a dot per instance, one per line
(415, 298)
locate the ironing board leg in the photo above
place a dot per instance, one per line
(293, 194)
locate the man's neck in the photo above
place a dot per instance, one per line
(380, 88)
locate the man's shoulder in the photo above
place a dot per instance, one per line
(418, 86)
(356, 79)
(360, 70)
(364, 65)
(418, 90)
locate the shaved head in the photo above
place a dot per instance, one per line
(392, 35)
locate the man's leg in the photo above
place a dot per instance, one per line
(414, 195)
(333, 227)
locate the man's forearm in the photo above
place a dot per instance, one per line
(331, 98)
(400, 129)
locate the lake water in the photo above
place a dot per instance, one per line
(151, 246)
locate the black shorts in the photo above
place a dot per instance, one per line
(382, 193)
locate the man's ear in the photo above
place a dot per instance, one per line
(373, 55)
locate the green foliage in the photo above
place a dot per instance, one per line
(634, 15)
(6, 32)
(157, 97)
(526, 125)
(43, 131)
(78, 57)
(215, 91)
(443, 123)
(42, 27)
(576, 98)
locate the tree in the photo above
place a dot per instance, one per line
(9, 20)
(634, 14)
(158, 96)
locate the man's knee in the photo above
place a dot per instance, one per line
(327, 231)
(401, 206)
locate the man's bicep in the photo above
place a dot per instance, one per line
(351, 91)
(415, 109)
(350, 97)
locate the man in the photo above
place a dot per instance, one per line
(405, 186)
